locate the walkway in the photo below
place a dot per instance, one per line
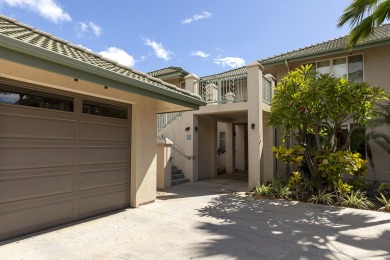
(207, 219)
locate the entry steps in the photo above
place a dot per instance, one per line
(178, 177)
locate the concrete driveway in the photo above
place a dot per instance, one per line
(208, 220)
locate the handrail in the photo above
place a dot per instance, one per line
(189, 157)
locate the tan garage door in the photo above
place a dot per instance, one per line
(60, 166)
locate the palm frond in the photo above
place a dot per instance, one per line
(362, 16)
(356, 12)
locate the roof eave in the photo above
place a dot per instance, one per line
(148, 89)
(327, 52)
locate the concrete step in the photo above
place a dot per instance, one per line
(180, 181)
(174, 168)
(177, 176)
(176, 172)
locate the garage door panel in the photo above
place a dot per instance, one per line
(36, 112)
(35, 157)
(57, 167)
(33, 187)
(23, 221)
(103, 178)
(103, 132)
(101, 155)
(103, 202)
(23, 126)
(35, 173)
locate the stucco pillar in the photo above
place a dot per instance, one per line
(191, 150)
(164, 168)
(207, 148)
(255, 123)
(190, 81)
(229, 148)
(143, 153)
(240, 147)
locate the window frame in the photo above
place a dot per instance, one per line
(102, 103)
(66, 96)
(339, 57)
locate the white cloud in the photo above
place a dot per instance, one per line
(96, 29)
(201, 54)
(48, 9)
(118, 55)
(233, 62)
(197, 17)
(88, 28)
(159, 49)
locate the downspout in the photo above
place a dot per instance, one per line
(286, 63)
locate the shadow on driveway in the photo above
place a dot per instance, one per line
(277, 229)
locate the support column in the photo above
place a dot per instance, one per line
(255, 123)
(191, 136)
(240, 147)
(191, 149)
(164, 168)
(229, 148)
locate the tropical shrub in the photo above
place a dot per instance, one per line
(308, 106)
(322, 197)
(332, 166)
(262, 190)
(356, 199)
(386, 203)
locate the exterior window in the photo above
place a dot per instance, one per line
(102, 109)
(355, 68)
(340, 68)
(350, 67)
(323, 67)
(33, 98)
(222, 141)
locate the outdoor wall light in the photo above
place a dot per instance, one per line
(253, 126)
(187, 128)
(196, 128)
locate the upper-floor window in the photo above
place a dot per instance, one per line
(34, 98)
(350, 67)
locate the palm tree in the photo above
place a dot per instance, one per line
(363, 16)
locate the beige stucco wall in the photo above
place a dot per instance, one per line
(143, 135)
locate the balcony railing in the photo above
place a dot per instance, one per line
(165, 119)
(224, 89)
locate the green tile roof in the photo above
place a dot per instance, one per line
(380, 35)
(31, 37)
(168, 71)
(239, 72)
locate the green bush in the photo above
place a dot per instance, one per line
(322, 197)
(262, 190)
(281, 192)
(356, 199)
(386, 203)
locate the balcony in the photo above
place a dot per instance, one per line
(229, 89)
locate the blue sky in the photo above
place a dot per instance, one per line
(203, 36)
